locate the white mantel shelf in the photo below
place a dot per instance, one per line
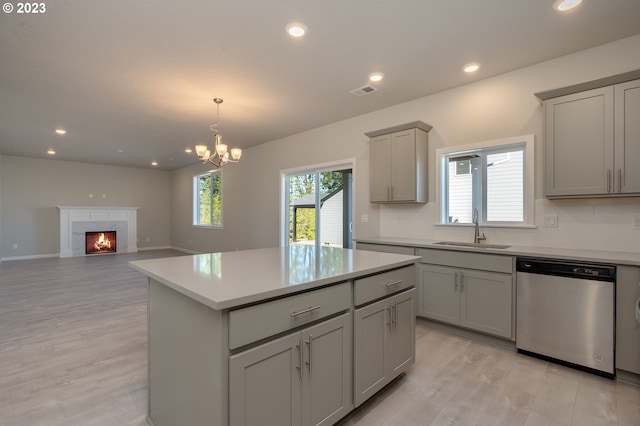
(124, 218)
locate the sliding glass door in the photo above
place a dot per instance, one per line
(319, 207)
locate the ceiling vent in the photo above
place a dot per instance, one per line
(364, 90)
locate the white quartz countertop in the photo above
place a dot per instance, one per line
(600, 256)
(229, 279)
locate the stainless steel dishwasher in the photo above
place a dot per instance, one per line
(565, 313)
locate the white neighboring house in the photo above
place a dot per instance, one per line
(331, 215)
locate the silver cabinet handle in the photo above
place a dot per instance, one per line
(391, 284)
(395, 304)
(608, 180)
(455, 282)
(461, 282)
(388, 308)
(304, 311)
(619, 180)
(388, 193)
(392, 314)
(299, 346)
(310, 342)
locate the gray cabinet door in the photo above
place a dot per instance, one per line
(627, 137)
(326, 373)
(265, 385)
(485, 302)
(399, 167)
(438, 296)
(627, 326)
(403, 165)
(384, 343)
(380, 169)
(370, 355)
(579, 144)
(402, 338)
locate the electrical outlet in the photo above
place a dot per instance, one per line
(15, 246)
(364, 218)
(550, 220)
(636, 221)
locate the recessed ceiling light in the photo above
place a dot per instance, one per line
(471, 67)
(563, 5)
(296, 29)
(188, 150)
(61, 131)
(51, 151)
(119, 151)
(376, 76)
(154, 163)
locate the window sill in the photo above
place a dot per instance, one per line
(215, 228)
(488, 225)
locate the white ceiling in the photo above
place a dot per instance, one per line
(140, 76)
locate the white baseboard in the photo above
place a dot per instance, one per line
(184, 250)
(43, 256)
(31, 256)
(155, 248)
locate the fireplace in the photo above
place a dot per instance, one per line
(100, 242)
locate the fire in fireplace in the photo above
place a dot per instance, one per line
(100, 242)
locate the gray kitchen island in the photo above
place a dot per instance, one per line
(288, 336)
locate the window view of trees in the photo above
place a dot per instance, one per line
(302, 199)
(209, 199)
(302, 187)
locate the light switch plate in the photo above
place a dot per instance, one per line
(364, 218)
(550, 220)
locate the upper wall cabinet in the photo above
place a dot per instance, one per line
(627, 136)
(592, 140)
(399, 158)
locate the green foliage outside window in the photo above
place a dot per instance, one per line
(302, 186)
(209, 203)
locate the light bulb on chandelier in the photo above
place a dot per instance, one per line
(221, 154)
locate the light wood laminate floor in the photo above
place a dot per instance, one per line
(73, 352)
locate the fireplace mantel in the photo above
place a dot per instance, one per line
(124, 219)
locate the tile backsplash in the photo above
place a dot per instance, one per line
(599, 223)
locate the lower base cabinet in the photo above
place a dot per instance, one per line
(384, 343)
(627, 321)
(477, 300)
(300, 379)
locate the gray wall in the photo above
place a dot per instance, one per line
(0, 208)
(32, 188)
(489, 109)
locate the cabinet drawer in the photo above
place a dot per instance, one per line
(481, 261)
(381, 285)
(257, 322)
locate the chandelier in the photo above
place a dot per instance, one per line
(221, 154)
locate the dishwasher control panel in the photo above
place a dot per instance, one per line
(566, 269)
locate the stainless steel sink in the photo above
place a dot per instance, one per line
(479, 245)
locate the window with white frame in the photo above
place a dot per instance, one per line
(496, 178)
(207, 199)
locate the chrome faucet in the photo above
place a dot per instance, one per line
(477, 237)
